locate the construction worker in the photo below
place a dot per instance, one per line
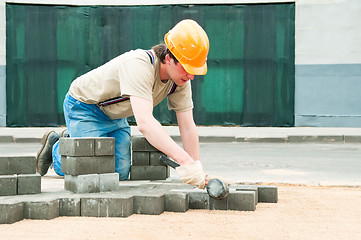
(99, 102)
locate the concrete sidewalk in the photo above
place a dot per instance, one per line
(217, 134)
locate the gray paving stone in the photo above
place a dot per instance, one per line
(198, 199)
(268, 194)
(154, 159)
(41, 208)
(69, 206)
(149, 172)
(140, 158)
(166, 187)
(104, 146)
(176, 202)
(77, 147)
(88, 183)
(107, 206)
(168, 172)
(149, 147)
(108, 182)
(8, 185)
(139, 143)
(148, 203)
(87, 165)
(11, 211)
(216, 204)
(241, 201)
(239, 187)
(17, 165)
(29, 184)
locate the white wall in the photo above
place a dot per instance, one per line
(2, 64)
(328, 63)
(328, 32)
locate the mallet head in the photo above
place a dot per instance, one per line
(217, 189)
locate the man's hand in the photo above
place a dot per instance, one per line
(192, 173)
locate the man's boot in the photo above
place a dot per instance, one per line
(44, 156)
(64, 133)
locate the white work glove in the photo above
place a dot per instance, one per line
(192, 173)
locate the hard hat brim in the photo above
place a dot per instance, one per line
(195, 70)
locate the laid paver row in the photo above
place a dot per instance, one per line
(152, 198)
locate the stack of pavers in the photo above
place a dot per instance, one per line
(17, 177)
(88, 164)
(145, 161)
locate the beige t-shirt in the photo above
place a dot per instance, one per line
(131, 73)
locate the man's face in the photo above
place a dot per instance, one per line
(178, 74)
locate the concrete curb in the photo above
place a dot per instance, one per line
(217, 134)
(230, 139)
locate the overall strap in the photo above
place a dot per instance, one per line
(151, 56)
(172, 89)
(112, 101)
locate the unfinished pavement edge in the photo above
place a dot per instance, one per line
(134, 197)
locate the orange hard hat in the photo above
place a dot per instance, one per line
(189, 44)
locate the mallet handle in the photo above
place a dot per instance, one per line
(168, 161)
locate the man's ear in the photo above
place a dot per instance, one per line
(167, 59)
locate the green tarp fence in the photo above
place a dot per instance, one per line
(250, 79)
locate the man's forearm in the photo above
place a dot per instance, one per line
(190, 141)
(154, 132)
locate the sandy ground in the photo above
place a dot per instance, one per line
(303, 212)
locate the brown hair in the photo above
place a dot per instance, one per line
(161, 50)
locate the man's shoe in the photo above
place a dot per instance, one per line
(44, 156)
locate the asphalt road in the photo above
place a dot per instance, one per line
(315, 164)
(295, 163)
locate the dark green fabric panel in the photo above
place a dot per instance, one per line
(41, 67)
(16, 95)
(250, 79)
(264, 63)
